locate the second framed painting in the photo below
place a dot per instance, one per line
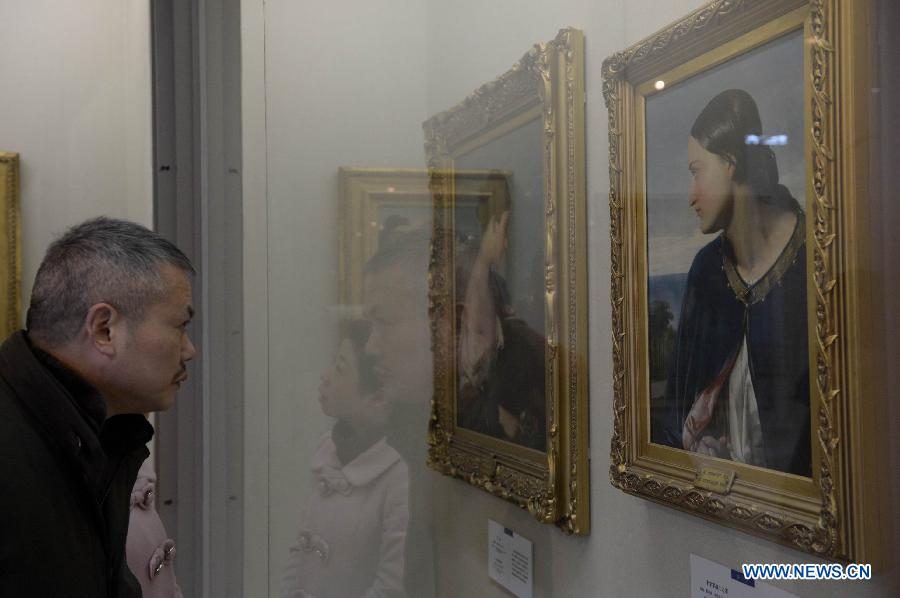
(734, 192)
(508, 288)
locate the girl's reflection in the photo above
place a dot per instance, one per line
(352, 533)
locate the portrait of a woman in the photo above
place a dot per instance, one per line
(738, 386)
(500, 357)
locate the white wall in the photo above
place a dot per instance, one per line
(76, 105)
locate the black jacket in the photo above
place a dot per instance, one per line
(66, 474)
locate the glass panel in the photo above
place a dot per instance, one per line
(353, 508)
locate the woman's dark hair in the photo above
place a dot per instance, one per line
(357, 332)
(722, 129)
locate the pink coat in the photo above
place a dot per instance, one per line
(352, 532)
(149, 549)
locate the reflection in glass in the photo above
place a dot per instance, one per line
(399, 345)
(352, 534)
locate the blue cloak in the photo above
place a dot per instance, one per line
(718, 310)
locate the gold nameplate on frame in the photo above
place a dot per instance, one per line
(714, 480)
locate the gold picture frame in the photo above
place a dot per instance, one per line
(825, 510)
(532, 116)
(11, 266)
(375, 200)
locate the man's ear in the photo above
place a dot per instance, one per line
(101, 324)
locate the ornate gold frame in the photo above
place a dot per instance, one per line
(11, 267)
(546, 84)
(830, 514)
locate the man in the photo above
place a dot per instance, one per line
(106, 341)
(396, 293)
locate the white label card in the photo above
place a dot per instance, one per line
(712, 580)
(510, 560)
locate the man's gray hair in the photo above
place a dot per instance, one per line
(102, 260)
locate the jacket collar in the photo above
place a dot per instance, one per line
(86, 398)
(362, 470)
(81, 437)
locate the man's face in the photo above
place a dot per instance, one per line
(400, 339)
(339, 392)
(150, 365)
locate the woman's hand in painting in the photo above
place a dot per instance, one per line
(511, 425)
(713, 447)
(700, 418)
(697, 421)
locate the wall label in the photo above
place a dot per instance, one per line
(510, 560)
(712, 580)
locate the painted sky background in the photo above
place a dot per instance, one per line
(773, 75)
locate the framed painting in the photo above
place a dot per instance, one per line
(376, 202)
(508, 288)
(11, 264)
(736, 294)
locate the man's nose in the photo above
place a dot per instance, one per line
(373, 344)
(190, 350)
